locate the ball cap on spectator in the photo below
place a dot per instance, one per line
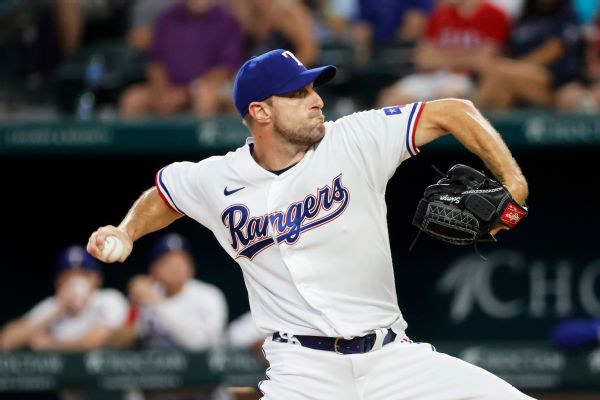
(274, 73)
(168, 243)
(76, 257)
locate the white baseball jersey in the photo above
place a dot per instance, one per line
(194, 318)
(106, 307)
(312, 242)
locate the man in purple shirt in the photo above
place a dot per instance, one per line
(385, 22)
(196, 47)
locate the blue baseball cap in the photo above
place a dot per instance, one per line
(76, 257)
(273, 73)
(168, 243)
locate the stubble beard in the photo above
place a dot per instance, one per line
(305, 136)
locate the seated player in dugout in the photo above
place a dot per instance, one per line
(169, 308)
(78, 317)
(294, 207)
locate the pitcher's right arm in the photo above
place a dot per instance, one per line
(148, 214)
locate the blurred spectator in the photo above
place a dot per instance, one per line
(81, 21)
(583, 94)
(196, 47)
(78, 317)
(333, 18)
(387, 21)
(172, 308)
(141, 19)
(545, 53)
(460, 35)
(574, 334)
(272, 24)
(586, 10)
(512, 7)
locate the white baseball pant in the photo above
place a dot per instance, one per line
(398, 371)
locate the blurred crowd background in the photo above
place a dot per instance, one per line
(101, 61)
(135, 58)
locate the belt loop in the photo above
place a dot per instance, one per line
(379, 336)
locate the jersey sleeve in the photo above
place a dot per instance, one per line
(380, 140)
(42, 310)
(197, 323)
(112, 309)
(179, 185)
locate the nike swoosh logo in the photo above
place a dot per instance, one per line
(228, 192)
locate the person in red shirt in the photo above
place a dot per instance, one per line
(460, 36)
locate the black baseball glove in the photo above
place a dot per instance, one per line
(464, 206)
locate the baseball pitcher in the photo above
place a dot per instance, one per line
(301, 208)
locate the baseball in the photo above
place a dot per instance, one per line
(113, 249)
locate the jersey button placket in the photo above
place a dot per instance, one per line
(279, 201)
(275, 204)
